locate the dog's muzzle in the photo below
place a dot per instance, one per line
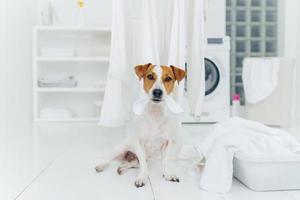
(157, 95)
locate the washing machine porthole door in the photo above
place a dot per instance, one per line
(212, 77)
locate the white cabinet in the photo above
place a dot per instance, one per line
(61, 52)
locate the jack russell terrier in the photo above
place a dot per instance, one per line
(154, 128)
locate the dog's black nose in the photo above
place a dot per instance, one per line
(157, 93)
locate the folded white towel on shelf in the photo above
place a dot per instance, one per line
(58, 82)
(260, 78)
(239, 135)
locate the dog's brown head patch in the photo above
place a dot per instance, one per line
(141, 70)
(167, 76)
(179, 73)
(146, 73)
(170, 75)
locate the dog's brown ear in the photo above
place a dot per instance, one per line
(140, 70)
(178, 73)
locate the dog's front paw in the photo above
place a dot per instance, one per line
(140, 182)
(120, 170)
(100, 167)
(171, 178)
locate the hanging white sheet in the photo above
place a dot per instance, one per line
(260, 77)
(161, 32)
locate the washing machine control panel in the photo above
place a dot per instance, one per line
(215, 41)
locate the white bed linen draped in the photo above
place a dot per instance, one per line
(161, 32)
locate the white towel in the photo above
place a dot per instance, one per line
(239, 135)
(140, 104)
(58, 82)
(260, 78)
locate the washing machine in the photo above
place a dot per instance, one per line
(217, 80)
(217, 83)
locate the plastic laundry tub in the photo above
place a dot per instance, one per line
(268, 173)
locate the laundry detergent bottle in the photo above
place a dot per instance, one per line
(236, 106)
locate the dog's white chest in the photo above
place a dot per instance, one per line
(156, 132)
(153, 146)
(154, 128)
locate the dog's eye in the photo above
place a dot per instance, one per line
(150, 77)
(168, 79)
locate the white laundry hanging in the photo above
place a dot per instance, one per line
(260, 78)
(161, 32)
(195, 55)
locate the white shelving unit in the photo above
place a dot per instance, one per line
(88, 65)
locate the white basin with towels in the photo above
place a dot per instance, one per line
(266, 173)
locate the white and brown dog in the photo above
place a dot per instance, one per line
(154, 128)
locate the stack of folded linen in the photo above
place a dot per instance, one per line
(58, 82)
(56, 112)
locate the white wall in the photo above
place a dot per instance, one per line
(291, 18)
(16, 20)
(216, 18)
(297, 97)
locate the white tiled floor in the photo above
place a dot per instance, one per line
(55, 161)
